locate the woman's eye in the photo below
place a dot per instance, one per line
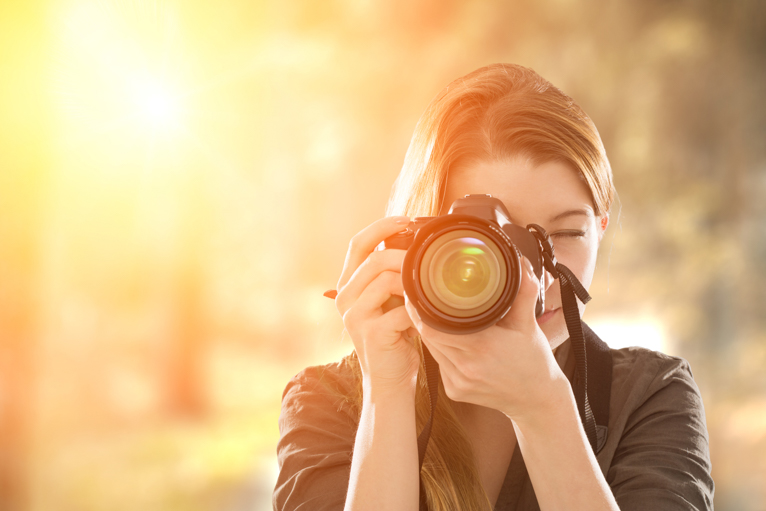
(568, 234)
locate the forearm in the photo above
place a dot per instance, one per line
(560, 462)
(384, 468)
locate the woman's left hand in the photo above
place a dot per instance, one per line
(509, 366)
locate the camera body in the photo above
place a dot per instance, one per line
(462, 270)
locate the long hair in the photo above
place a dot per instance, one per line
(492, 114)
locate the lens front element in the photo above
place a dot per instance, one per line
(462, 273)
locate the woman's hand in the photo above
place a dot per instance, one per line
(388, 360)
(508, 367)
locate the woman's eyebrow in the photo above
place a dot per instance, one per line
(571, 212)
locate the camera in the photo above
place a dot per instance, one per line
(463, 270)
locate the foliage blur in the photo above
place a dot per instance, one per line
(179, 182)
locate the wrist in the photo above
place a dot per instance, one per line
(382, 391)
(557, 406)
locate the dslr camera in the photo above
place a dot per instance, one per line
(463, 270)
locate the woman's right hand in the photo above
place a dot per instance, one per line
(388, 359)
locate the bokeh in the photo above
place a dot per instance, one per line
(179, 181)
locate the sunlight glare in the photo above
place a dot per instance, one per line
(646, 333)
(117, 72)
(157, 105)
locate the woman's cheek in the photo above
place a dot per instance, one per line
(580, 258)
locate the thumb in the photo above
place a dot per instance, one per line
(522, 311)
(413, 312)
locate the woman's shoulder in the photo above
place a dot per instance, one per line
(338, 374)
(636, 369)
(646, 381)
(657, 450)
(330, 385)
(317, 426)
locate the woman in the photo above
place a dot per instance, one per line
(506, 433)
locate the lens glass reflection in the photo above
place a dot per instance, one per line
(465, 273)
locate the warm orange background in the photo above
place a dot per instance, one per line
(179, 181)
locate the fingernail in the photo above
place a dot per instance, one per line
(401, 220)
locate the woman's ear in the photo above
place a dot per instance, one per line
(603, 224)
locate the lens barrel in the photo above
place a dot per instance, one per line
(465, 273)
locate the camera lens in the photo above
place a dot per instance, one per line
(466, 272)
(463, 269)
(462, 273)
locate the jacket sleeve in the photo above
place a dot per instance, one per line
(317, 434)
(662, 461)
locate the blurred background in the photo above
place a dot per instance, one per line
(179, 182)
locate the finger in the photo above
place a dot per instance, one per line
(385, 285)
(456, 342)
(522, 312)
(447, 369)
(376, 263)
(445, 363)
(365, 241)
(413, 313)
(397, 319)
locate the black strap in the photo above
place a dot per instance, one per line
(599, 378)
(571, 289)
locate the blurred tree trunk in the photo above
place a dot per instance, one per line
(187, 389)
(23, 154)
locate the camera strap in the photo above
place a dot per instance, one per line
(571, 291)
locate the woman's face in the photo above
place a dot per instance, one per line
(552, 195)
